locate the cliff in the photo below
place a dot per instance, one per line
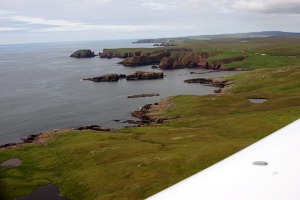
(184, 59)
(145, 59)
(170, 58)
(112, 53)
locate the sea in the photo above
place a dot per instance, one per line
(41, 87)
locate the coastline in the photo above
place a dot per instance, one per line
(152, 113)
(148, 115)
(183, 135)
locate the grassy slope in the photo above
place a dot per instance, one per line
(134, 163)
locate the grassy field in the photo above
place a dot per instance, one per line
(134, 163)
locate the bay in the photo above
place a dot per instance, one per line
(41, 88)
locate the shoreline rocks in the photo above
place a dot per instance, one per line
(142, 95)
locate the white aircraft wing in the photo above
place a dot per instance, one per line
(267, 170)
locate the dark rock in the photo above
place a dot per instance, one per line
(154, 67)
(199, 80)
(142, 95)
(105, 78)
(94, 128)
(139, 122)
(8, 145)
(144, 75)
(30, 138)
(121, 76)
(83, 53)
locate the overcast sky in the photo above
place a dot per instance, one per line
(26, 21)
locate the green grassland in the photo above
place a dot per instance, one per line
(134, 163)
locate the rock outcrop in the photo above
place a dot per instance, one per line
(106, 78)
(144, 75)
(83, 53)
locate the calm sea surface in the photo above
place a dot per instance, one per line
(41, 88)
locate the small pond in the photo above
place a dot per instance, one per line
(257, 100)
(14, 162)
(46, 192)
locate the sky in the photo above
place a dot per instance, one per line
(30, 21)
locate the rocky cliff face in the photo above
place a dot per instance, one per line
(184, 59)
(114, 54)
(171, 58)
(145, 59)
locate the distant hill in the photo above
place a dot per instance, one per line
(262, 34)
(245, 35)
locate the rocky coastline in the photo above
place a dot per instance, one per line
(40, 138)
(173, 58)
(149, 114)
(164, 59)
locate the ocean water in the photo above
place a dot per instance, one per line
(41, 88)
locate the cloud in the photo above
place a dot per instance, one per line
(158, 5)
(249, 5)
(45, 25)
(268, 6)
(2, 29)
